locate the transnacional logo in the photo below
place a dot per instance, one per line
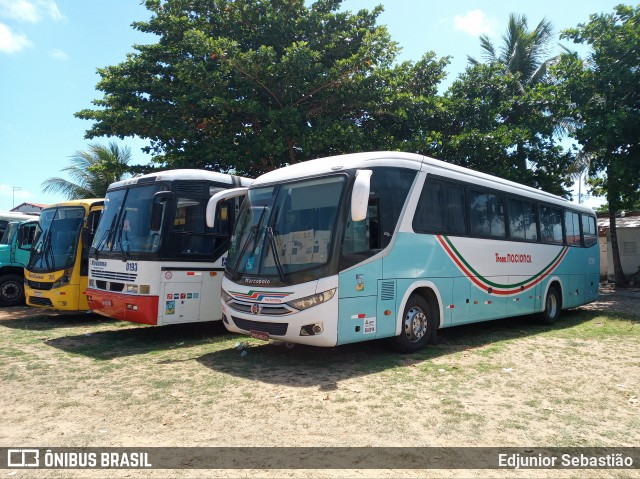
(255, 308)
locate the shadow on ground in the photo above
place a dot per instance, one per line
(306, 366)
(138, 339)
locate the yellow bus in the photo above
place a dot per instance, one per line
(56, 275)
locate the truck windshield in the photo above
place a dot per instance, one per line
(7, 236)
(286, 228)
(57, 239)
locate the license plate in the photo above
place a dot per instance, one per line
(260, 335)
(107, 302)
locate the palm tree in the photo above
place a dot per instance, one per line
(91, 172)
(522, 51)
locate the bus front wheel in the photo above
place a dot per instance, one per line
(552, 306)
(418, 325)
(11, 290)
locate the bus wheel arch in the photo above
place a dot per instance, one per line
(419, 321)
(552, 305)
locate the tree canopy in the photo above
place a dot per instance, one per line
(251, 85)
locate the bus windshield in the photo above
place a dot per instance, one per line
(57, 239)
(286, 228)
(125, 225)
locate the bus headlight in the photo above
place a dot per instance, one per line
(63, 280)
(132, 288)
(226, 297)
(313, 300)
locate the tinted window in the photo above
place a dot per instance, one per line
(487, 214)
(441, 209)
(589, 230)
(572, 227)
(523, 220)
(551, 224)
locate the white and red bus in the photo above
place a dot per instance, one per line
(153, 259)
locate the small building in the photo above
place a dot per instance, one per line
(628, 230)
(29, 208)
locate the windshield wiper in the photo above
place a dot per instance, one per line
(104, 238)
(253, 231)
(47, 249)
(274, 250)
(119, 234)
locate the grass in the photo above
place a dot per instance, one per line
(509, 381)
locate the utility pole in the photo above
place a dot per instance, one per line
(15, 188)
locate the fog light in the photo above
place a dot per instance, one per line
(311, 329)
(132, 307)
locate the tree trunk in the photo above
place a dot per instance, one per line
(619, 277)
(292, 152)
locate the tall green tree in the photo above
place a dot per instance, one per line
(524, 52)
(91, 172)
(252, 85)
(490, 125)
(603, 96)
(499, 116)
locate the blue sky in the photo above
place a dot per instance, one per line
(50, 50)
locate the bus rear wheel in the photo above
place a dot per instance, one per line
(418, 325)
(11, 290)
(552, 306)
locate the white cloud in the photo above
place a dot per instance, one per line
(475, 22)
(59, 55)
(30, 11)
(11, 42)
(52, 9)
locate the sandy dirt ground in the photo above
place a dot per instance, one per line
(81, 381)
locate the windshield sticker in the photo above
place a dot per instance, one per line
(359, 282)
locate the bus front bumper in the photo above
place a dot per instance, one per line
(125, 307)
(295, 328)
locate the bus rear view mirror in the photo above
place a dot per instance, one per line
(212, 205)
(360, 195)
(158, 207)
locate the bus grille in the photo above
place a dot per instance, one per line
(40, 301)
(39, 285)
(110, 275)
(266, 309)
(274, 329)
(110, 286)
(387, 290)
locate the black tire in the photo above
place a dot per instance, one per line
(11, 290)
(419, 325)
(552, 306)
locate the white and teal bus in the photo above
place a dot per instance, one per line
(395, 245)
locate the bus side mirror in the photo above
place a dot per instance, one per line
(360, 195)
(212, 205)
(157, 208)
